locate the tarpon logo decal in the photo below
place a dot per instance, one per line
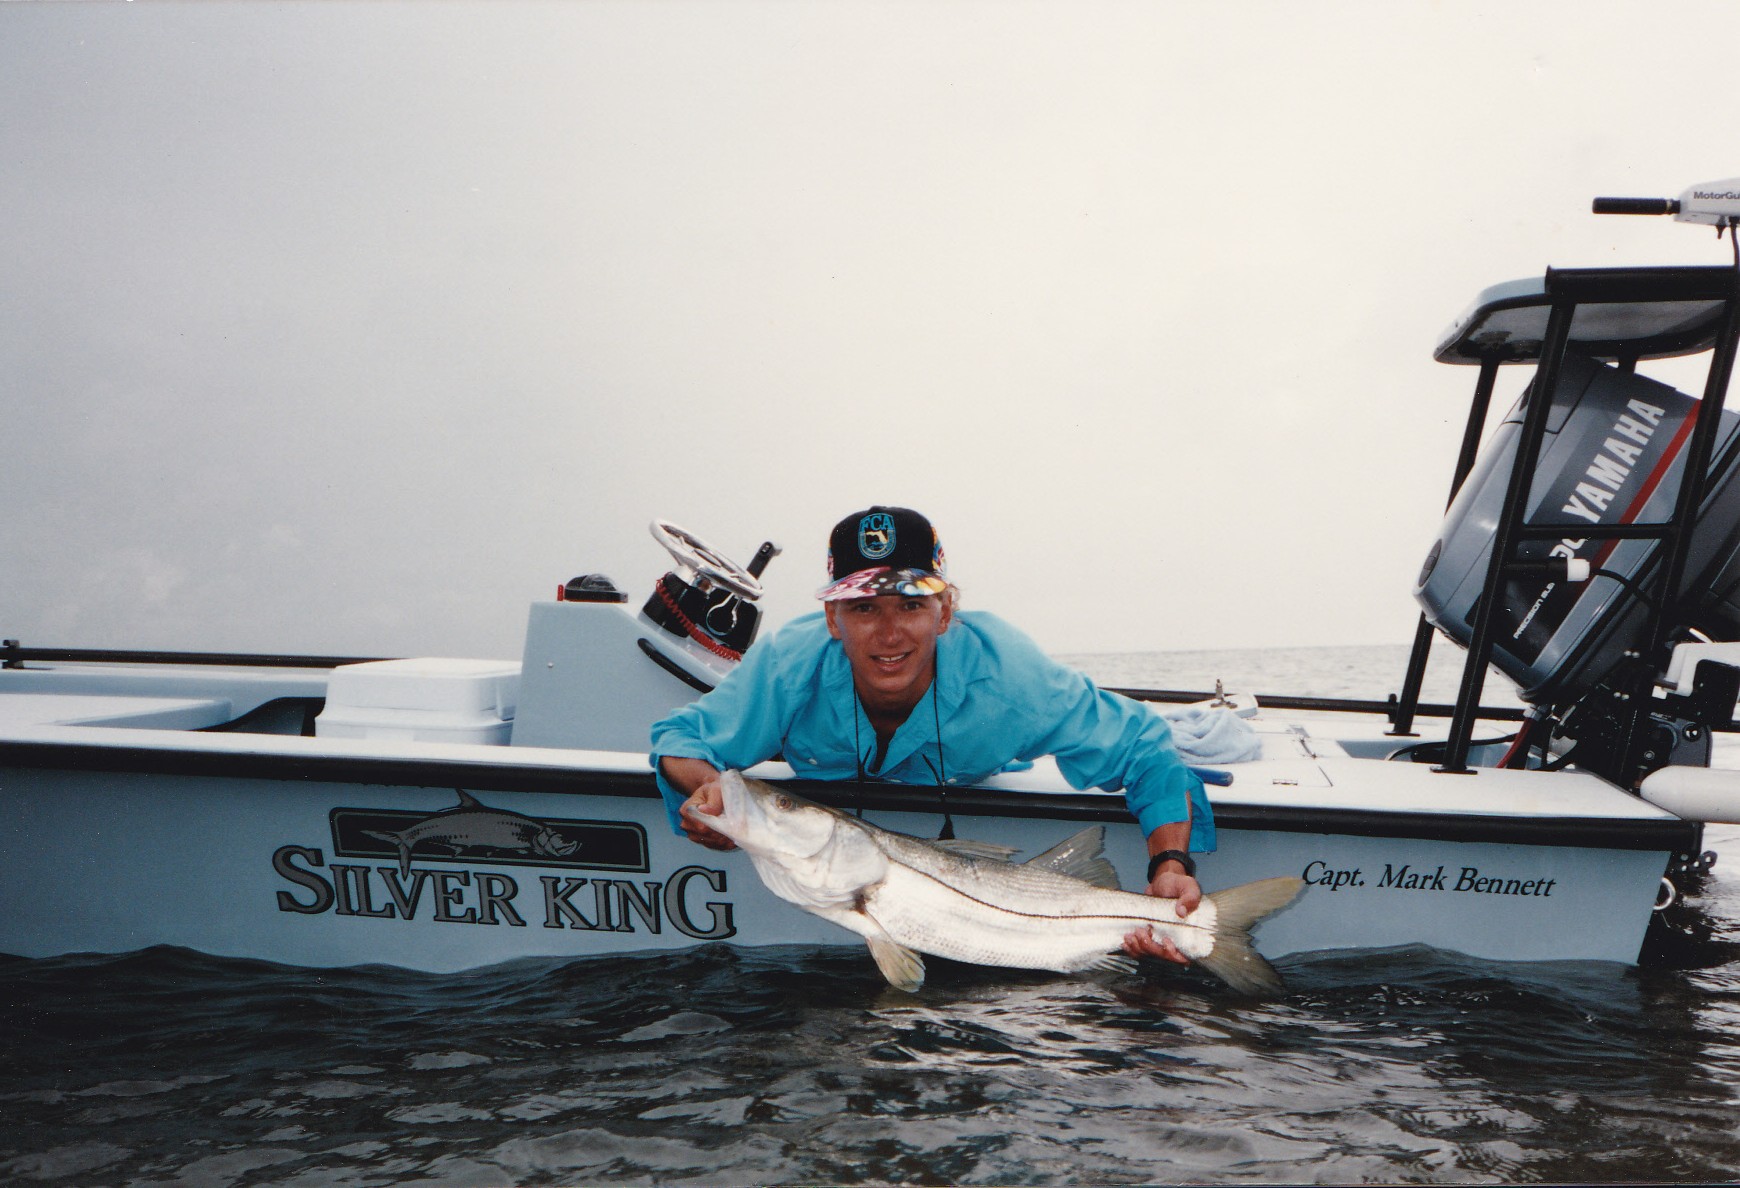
(471, 832)
(876, 536)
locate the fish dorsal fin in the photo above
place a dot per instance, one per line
(903, 968)
(976, 849)
(1080, 857)
(467, 800)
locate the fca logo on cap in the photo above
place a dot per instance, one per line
(876, 536)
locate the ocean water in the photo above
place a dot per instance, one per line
(797, 1065)
(1369, 673)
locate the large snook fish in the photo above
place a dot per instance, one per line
(1061, 910)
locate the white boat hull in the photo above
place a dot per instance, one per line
(111, 848)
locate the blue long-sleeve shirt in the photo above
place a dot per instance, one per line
(999, 700)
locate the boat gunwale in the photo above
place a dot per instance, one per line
(1666, 834)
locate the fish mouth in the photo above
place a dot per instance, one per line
(734, 813)
(762, 819)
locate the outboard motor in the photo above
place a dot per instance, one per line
(1577, 554)
(1614, 453)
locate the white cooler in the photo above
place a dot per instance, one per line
(429, 700)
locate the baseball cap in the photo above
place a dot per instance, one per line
(884, 550)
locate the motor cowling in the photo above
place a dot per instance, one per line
(1613, 454)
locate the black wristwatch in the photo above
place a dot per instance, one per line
(1178, 856)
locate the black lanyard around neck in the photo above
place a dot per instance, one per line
(938, 772)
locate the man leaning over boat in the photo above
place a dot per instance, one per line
(892, 682)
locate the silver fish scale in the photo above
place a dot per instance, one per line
(996, 913)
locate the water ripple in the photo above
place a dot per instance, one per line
(723, 1066)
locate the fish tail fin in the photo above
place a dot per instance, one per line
(1235, 960)
(397, 840)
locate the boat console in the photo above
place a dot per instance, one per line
(692, 630)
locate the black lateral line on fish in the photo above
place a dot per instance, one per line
(997, 907)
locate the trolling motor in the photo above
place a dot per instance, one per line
(1714, 204)
(708, 598)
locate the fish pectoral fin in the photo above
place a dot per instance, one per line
(976, 849)
(903, 968)
(1082, 856)
(1113, 963)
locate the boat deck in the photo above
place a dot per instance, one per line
(1297, 771)
(23, 710)
(183, 720)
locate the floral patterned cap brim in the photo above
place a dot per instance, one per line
(870, 583)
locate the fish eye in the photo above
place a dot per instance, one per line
(782, 801)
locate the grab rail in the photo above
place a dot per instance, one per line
(1345, 705)
(14, 656)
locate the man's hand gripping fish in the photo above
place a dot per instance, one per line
(1061, 910)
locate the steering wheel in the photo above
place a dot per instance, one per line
(694, 555)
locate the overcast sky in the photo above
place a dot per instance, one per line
(355, 328)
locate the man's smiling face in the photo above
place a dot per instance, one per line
(890, 641)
